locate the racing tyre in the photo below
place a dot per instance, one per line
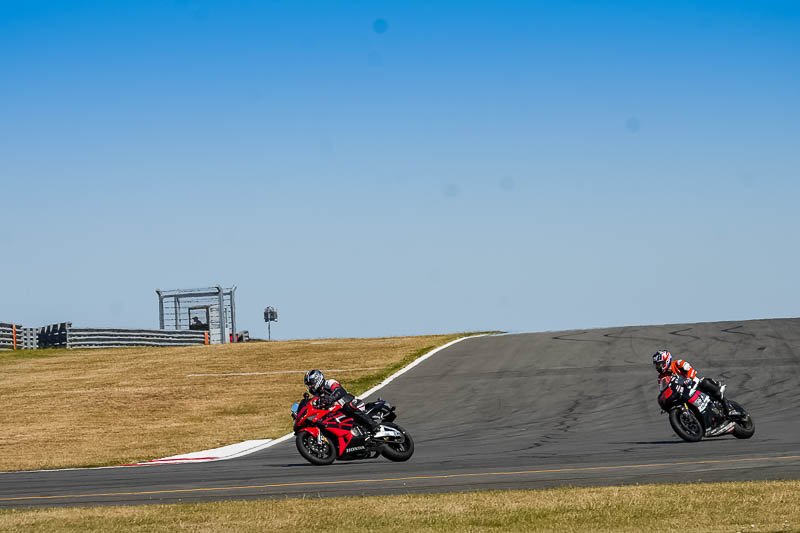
(686, 425)
(745, 427)
(316, 453)
(398, 451)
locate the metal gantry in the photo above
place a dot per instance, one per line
(211, 309)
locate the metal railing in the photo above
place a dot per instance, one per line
(54, 335)
(117, 338)
(63, 335)
(15, 337)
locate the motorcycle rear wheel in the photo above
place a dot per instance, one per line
(398, 451)
(745, 427)
(314, 452)
(685, 424)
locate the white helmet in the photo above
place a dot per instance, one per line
(661, 360)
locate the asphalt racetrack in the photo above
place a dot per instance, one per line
(512, 411)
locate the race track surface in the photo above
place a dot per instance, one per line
(512, 411)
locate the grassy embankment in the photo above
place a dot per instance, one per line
(722, 507)
(69, 408)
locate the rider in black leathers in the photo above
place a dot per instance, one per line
(330, 392)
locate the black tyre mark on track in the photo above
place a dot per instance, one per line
(564, 338)
(679, 333)
(745, 363)
(730, 330)
(631, 337)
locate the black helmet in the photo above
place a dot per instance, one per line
(314, 380)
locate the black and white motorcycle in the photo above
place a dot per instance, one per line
(693, 414)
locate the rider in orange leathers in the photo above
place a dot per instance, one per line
(666, 368)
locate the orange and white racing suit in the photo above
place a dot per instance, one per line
(711, 387)
(680, 367)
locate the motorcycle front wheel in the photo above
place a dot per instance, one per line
(685, 424)
(317, 452)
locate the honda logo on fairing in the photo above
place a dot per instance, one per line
(355, 448)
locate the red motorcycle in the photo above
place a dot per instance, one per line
(324, 433)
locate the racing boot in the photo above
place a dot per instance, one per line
(727, 408)
(365, 420)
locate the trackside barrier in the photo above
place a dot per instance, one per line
(54, 335)
(15, 337)
(29, 336)
(63, 335)
(7, 340)
(116, 338)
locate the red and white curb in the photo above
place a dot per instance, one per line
(240, 449)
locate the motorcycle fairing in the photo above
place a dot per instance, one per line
(334, 422)
(311, 430)
(725, 428)
(349, 439)
(700, 400)
(708, 412)
(710, 415)
(339, 425)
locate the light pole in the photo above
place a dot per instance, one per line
(270, 315)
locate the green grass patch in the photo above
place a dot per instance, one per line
(707, 507)
(359, 385)
(364, 383)
(17, 355)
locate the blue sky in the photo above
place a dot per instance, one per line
(381, 168)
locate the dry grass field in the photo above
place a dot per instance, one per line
(67, 408)
(722, 507)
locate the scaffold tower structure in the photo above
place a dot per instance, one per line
(211, 309)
